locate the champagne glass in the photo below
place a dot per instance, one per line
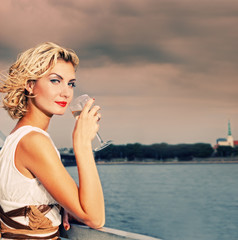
(76, 108)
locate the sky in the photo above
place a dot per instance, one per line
(161, 70)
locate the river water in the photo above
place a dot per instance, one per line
(172, 201)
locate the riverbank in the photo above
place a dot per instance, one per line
(172, 161)
(69, 160)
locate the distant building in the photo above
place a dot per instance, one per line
(229, 141)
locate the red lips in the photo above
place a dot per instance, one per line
(62, 104)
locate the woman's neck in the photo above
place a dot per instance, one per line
(36, 120)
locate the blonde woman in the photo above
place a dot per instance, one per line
(33, 181)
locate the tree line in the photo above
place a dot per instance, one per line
(164, 151)
(160, 152)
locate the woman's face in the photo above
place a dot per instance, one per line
(54, 91)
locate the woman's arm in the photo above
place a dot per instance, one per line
(37, 154)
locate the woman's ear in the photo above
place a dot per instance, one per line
(30, 86)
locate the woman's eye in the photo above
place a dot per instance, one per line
(72, 84)
(55, 81)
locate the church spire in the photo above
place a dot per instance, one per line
(229, 128)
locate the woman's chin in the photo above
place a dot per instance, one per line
(59, 114)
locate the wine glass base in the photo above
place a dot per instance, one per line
(103, 145)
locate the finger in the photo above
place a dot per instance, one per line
(66, 221)
(87, 106)
(94, 110)
(98, 115)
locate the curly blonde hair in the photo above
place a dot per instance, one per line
(31, 65)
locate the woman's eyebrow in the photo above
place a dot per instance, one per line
(61, 77)
(56, 75)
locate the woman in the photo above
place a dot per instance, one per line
(32, 178)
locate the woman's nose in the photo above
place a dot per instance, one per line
(65, 91)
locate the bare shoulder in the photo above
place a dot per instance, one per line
(38, 146)
(34, 137)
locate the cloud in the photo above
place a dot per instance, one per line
(147, 62)
(185, 32)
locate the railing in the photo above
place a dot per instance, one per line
(85, 233)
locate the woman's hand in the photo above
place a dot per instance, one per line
(86, 125)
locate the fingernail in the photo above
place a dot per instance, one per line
(66, 227)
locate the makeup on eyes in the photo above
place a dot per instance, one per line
(56, 77)
(72, 83)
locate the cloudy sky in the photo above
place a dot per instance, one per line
(161, 70)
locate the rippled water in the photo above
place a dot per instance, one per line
(172, 202)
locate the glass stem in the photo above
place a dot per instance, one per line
(99, 138)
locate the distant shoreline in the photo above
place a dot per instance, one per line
(162, 162)
(171, 161)
(121, 161)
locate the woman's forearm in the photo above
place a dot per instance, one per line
(90, 189)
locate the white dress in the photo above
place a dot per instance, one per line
(17, 190)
